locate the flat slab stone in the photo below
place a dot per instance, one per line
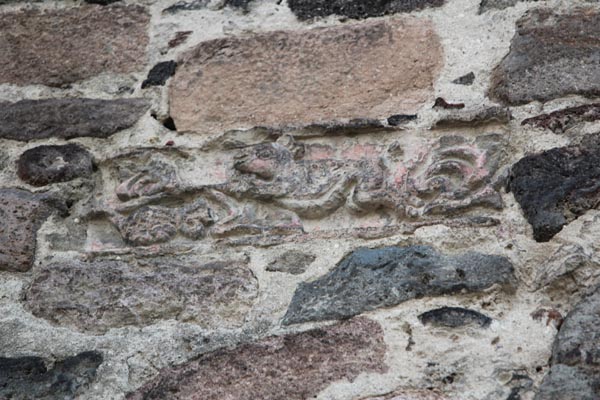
(68, 118)
(562, 120)
(364, 70)
(556, 186)
(551, 56)
(22, 213)
(575, 373)
(292, 367)
(101, 295)
(454, 317)
(93, 40)
(29, 378)
(368, 279)
(359, 9)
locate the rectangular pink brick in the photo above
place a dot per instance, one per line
(296, 78)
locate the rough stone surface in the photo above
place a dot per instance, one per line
(92, 39)
(29, 377)
(487, 5)
(575, 373)
(74, 294)
(408, 394)
(556, 186)
(562, 120)
(467, 79)
(552, 55)
(368, 279)
(22, 214)
(295, 367)
(310, 79)
(68, 118)
(159, 74)
(44, 165)
(453, 317)
(358, 9)
(292, 262)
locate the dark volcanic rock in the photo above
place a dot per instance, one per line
(101, 2)
(575, 373)
(556, 186)
(399, 119)
(27, 378)
(467, 79)
(77, 43)
(358, 9)
(561, 120)
(453, 317)
(68, 118)
(551, 55)
(292, 367)
(487, 5)
(22, 213)
(292, 262)
(200, 4)
(43, 165)
(368, 279)
(159, 74)
(104, 294)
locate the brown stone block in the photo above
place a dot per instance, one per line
(58, 47)
(292, 367)
(365, 70)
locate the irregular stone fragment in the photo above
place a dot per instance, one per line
(29, 377)
(44, 165)
(562, 120)
(454, 317)
(467, 79)
(68, 118)
(22, 213)
(410, 394)
(478, 116)
(300, 78)
(159, 74)
(575, 373)
(556, 186)
(440, 102)
(368, 279)
(201, 4)
(487, 5)
(358, 9)
(101, 295)
(551, 55)
(292, 262)
(92, 39)
(292, 367)
(179, 38)
(149, 225)
(399, 119)
(101, 2)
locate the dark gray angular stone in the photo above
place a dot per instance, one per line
(467, 79)
(561, 120)
(399, 119)
(551, 56)
(487, 5)
(368, 279)
(454, 317)
(159, 74)
(556, 186)
(575, 373)
(68, 118)
(44, 165)
(358, 9)
(28, 378)
(200, 4)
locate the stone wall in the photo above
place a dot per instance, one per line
(300, 199)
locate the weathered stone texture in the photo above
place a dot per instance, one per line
(366, 70)
(552, 55)
(77, 43)
(487, 5)
(368, 279)
(411, 394)
(44, 165)
(101, 295)
(359, 9)
(293, 262)
(575, 373)
(159, 74)
(562, 120)
(292, 367)
(453, 317)
(22, 213)
(28, 378)
(68, 118)
(556, 186)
